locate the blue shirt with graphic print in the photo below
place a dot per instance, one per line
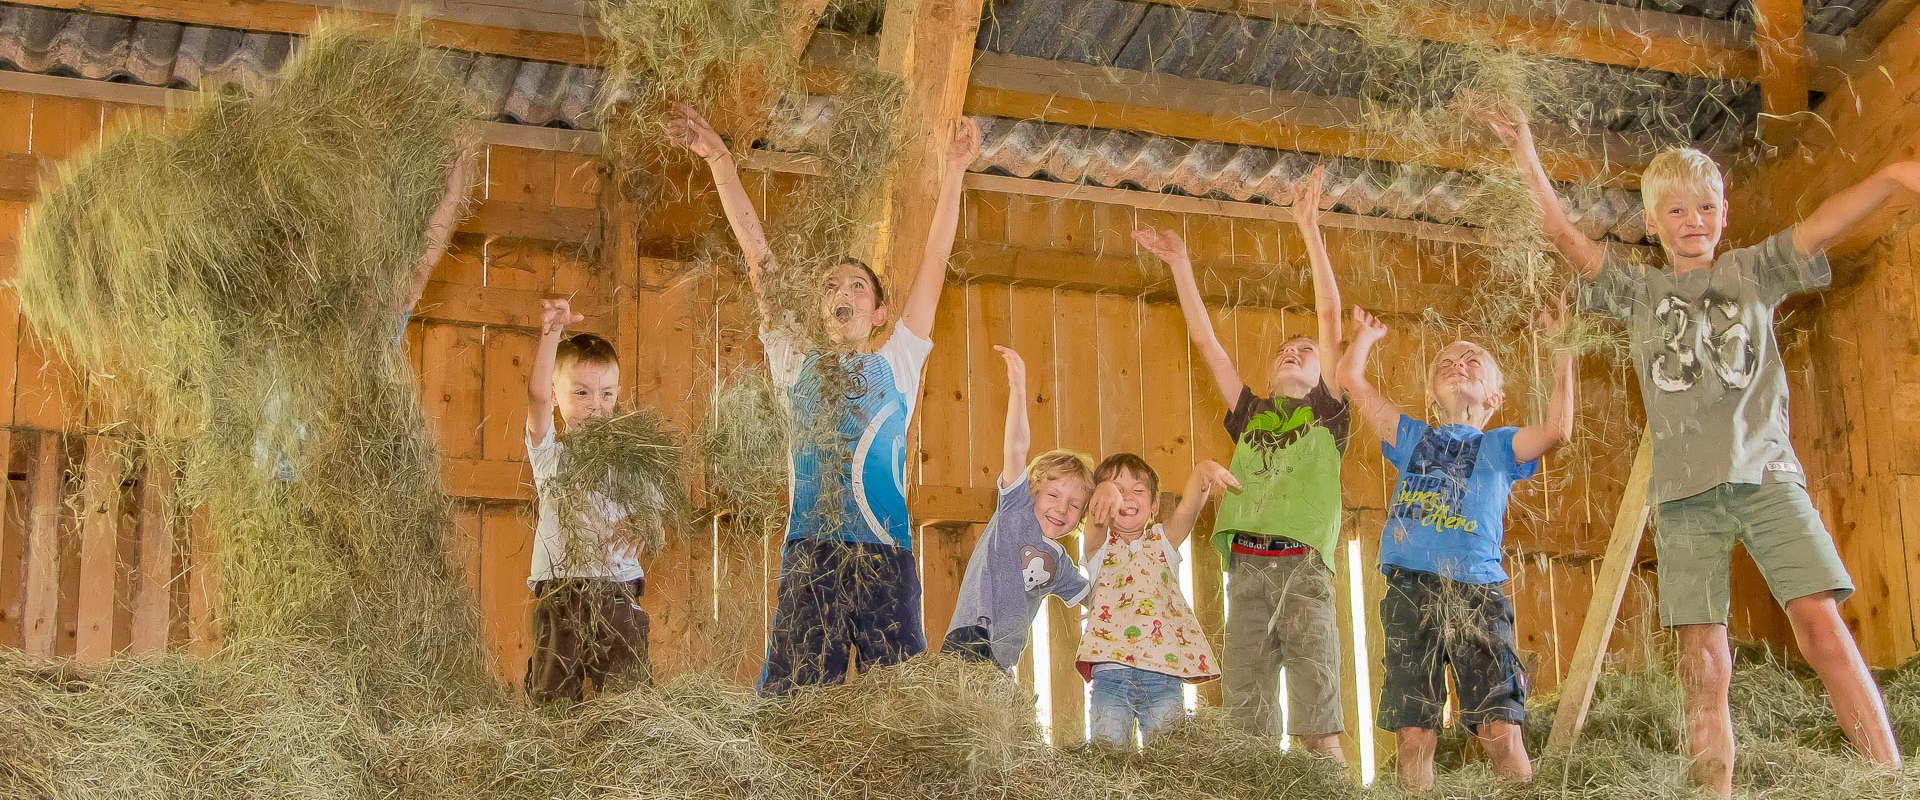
(1448, 511)
(870, 504)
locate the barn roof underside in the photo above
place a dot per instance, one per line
(1157, 38)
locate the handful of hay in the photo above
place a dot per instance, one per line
(624, 468)
(743, 446)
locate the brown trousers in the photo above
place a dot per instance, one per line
(587, 630)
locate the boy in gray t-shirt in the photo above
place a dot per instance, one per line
(1017, 562)
(1701, 335)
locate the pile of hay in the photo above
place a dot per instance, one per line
(237, 276)
(626, 467)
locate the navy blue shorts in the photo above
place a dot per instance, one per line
(841, 603)
(1432, 624)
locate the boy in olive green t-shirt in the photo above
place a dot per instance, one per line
(1277, 534)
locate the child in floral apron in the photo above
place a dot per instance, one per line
(1142, 640)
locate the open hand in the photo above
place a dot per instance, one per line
(1165, 243)
(963, 144)
(1306, 198)
(1215, 478)
(1104, 504)
(1367, 328)
(1500, 114)
(1016, 366)
(556, 315)
(690, 130)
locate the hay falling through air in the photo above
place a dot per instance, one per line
(626, 467)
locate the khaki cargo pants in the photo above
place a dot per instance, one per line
(1280, 613)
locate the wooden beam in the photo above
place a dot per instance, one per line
(748, 113)
(1780, 27)
(1601, 33)
(929, 44)
(1629, 524)
(1880, 23)
(514, 308)
(298, 18)
(487, 479)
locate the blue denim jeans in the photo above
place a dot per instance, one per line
(1125, 696)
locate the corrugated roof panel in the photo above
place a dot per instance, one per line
(1833, 17)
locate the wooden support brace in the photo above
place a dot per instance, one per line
(1576, 691)
(1780, 28)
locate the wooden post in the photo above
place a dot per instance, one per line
(99, 549)
(1576, 691)
(1780, 28)
(38, 620)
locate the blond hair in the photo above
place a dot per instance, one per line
(1680, 168)
(1496, 377)
(1055, 464)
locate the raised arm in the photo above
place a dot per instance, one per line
(1326, 290)
(962, 146)
(440, 227)
(1172, 249)
(690, 130)
(1534, 441)
(1208, 477)
(1380, 413)
(1013, 453)
(555, 316)
(1839, 213)
(1510, 124)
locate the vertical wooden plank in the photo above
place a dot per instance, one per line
(16, 121)
(1166, 403)
(153, 589)
(46, 392)
(943, 551)
(203, 594)
(680, 601)
(506, 605)
(1077, 415)
(1531, 587)
(988, 324)
(63, 125)
(99, 549)
(1573, 588)
(1032, 323)
(946, 443)
(451, 387)
(38, 618)
(463, 549)
(503, 398)
(13, 535)
(1117, 332)
(1779, 28)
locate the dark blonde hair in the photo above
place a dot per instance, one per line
(1056, 464)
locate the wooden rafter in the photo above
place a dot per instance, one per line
(1575, 29)
(1780, 28)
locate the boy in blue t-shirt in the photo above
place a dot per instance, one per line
(849, 591)
(1445, 604)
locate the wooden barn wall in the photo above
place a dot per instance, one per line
(1109, 372)
(1853, 351)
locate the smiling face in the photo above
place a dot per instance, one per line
(1137, 505)
(1059, 504)
(1689, 223)
(852, 302)
(1465, 382)
(585, 390)
(1296, 367)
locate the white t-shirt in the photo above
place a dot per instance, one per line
(551, 556)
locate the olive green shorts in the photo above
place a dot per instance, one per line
(1694, 537)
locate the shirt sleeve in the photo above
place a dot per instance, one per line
(784, 357)
(1499, 444)
(1333, 412)
(1779, 271)
(1236, 419)
(1404, 438)
(906, 352)
(1616, 289)
(543, 456)
(1071, 585)
(1015, 498)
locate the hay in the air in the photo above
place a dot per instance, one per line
(743, 449)
(237, 276)
(627, 468)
